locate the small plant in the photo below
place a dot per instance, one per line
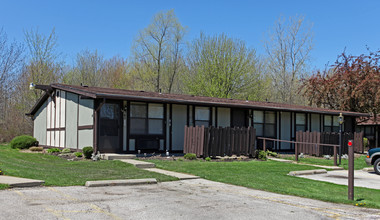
(1, 172)
(66, 151)
(190, 156)
(87, 152)
(361, 204)
(53, 150)
(36, 148)
(180, 159)
(78, 154)
(365, 143)
(23, 142)
(261, 155)
(271, 153)
(207, 159)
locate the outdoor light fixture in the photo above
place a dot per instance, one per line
(340, 118)
(32, 86)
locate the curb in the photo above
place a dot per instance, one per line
(306, 172)
(129, 182)
(368, 169)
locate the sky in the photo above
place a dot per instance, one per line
(111, 26)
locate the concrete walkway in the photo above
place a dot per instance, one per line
(19, 182)
(139, 164)
(151, 167)
(180, 176)
(361, 178)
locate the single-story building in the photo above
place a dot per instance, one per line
(371, 129)
(125, 121)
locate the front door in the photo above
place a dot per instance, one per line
(239, 118)
(109, 128)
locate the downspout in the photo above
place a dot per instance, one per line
(96, 115)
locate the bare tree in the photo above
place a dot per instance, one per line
(155, 47)
(288, 48)
(88, 70)
(11, 61)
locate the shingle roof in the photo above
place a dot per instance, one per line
(122, 94)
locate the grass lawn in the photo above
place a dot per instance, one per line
(272, 176)
(359, 163)
(3, 186)
(60, 172)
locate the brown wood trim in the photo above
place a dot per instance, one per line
(84, 127)
(56, 129)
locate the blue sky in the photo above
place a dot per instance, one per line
(110, 26)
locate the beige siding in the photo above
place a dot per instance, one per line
(86, 111)
(285, 129)
(315, 123)
(224, 117)
(71, 122)
(39, 129)
(85, 138)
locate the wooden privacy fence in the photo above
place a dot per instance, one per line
(326, 138)
(212, 142)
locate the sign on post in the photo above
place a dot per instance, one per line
(350, 170)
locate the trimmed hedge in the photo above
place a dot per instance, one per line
(23, 142)
(87, 152)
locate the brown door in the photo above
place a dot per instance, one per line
(239, 118)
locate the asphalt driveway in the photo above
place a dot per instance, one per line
(186, 199)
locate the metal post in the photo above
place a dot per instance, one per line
(340, 137)
(296, 151)
(350, 170)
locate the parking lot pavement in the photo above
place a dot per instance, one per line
(186, 199)
(361, 178)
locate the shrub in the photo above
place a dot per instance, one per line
(208, 159)
(271, 153)
(87, 152)
(365, 143)
(190, 156)
(180, 159)
(66, 151)
(261, 155)
(78, 154)
(53, 150)
(23, 142)
(36, 148)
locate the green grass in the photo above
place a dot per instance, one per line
(359, 163)
(272, 176)
(3, 186)
(60, 172)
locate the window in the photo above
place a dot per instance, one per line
(147, 118)
(331, 123)
(265, 123)
(300, 122)
(202, 116)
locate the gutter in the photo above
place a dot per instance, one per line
(140, 98)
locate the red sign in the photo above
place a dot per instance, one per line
(350, 143)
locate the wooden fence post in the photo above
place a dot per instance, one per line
(264, 148)
(296, 151)
(335, 156)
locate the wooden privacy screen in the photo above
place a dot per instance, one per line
(327, 138)
(212, 142)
